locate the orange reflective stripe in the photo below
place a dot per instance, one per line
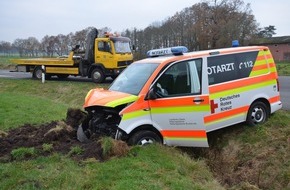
(260, 57)
(225, 114)
(176, 102)
(259, 67)
(184, 133)
(272, 65)
(274, 99)
(268, 56)
(241, 83)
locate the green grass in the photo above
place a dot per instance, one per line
(30, 101)
(145, 169)
(5, 62)
(241, 157)
(283, 68)
(17, 110)
(253, 155)
(21, 153)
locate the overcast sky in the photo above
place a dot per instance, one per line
(37, 18)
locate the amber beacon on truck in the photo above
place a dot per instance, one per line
(176, 98)
(103, 57)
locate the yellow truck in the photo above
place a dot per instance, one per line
(103, 57)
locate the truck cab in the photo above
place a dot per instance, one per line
(112, 55)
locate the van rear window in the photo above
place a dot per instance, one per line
(223, 68)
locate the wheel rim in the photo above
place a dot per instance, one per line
(38, 74)
(146, 141)
(258, 115)
(97, 75)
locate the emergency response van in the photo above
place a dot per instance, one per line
(176, 98)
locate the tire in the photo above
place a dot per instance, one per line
(37, 73)
(98, 75)
(257, 114)
(144, 137)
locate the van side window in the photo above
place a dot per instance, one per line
(223, 68)
(182, 78)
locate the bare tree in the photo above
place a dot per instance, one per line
(5, 48)
(19, 45)
(32, 46)
(224, 21)
(48, 44)
(61, 44)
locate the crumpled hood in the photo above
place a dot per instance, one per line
(107, 98)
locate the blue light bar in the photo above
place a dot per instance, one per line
(177, 50)
(235, 43)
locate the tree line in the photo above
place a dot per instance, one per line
(205, 25)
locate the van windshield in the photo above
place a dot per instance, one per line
(133, 78)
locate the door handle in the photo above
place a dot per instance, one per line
(198, 100)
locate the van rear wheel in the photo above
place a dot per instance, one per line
(257, 114)
(144, 137)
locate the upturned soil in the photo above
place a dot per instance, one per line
(60, 136)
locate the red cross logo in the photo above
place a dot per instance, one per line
(213, 106)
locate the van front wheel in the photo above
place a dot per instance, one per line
(257, 114)
(144, 137)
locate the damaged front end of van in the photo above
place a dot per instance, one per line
(103, 108)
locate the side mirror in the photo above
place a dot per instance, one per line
(151, 94)
(133, 47)
(76, 48)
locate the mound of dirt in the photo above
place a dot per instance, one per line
(59, 136)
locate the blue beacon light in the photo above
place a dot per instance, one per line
(177, 50)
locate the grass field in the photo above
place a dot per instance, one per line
(5, 63)
(283, 68)
(155, 167)
(240, 157)
(30, 101)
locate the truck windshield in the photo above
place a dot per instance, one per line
(133, 78)
(122, 47)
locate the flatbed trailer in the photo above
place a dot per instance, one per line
(104, 57)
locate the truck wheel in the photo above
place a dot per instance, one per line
(98, 75)
(37, 73)
(257, 114)
(144, 137)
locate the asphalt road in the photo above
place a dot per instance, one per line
(27, 75)
(284, 83)
(285, 91)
